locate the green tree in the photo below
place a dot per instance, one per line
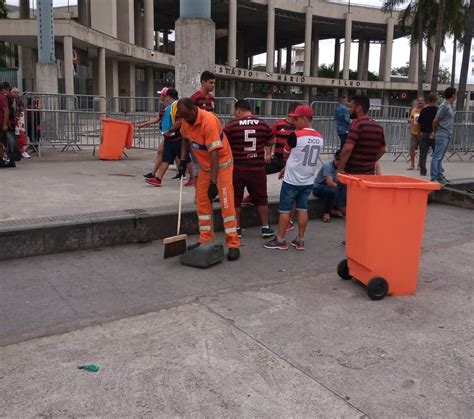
(3, 9)
(444, 74)
(424, 20)
(466, 57)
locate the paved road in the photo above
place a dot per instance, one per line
(275, 335)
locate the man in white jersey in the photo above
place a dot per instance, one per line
(303, 147)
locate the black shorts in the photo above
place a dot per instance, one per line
(171, 151)
(274, 166)
(256, 183)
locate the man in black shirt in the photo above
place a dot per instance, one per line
(427, 115)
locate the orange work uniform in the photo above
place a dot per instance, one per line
(206, 135)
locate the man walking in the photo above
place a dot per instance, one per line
(202, 132)
(443, 126)
(365, 143)
(303, 148)
(343, 120)
(415, 130)
(425, 120)
(251, 140)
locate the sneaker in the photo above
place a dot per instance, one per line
(25, 155)
(298, 244)
(149, 175)
(267, 232)
(191, 182)
(153, 181)
(247, 202)
(176, 176)
(233, 254)
(275, 244)
(442, 179)
(239, 232)
(291, 226)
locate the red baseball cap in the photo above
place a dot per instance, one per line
(302, 110)
(163, 91)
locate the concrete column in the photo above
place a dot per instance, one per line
(337, 57)
(430, 61)
(382, 62)
(126, 21)
(240, 49)
(157, 40)
(149, 24)
(251, 62)
(388, 49)
(360, 60)
(278, 69)
(132, 87)
(139, 24)
(149, 88)
(289, 51)
(270, 36)
(68, 65)
(24, 9)
(232, 43)
(191, 34)
(112, 81)
(101, 76)
(84, 12)
(165, 40)
(232, 38)
(315, 58)
(366, 60)
(347, 47)
(307, 41)
(195, 9)
(413, 64)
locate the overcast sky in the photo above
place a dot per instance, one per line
(401, 48)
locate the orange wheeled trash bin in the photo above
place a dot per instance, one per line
(116, 136)
(384, 232)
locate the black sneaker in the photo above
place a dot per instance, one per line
(193, 246)
(233, 254)
(149, 175)
(267, 232)
(239, 232)
(176, 176)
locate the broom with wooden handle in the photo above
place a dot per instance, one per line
(176, 245)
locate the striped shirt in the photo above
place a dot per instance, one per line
(203, 101)
(281, 130)
(248, 137)
(368, 139)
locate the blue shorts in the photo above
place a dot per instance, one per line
(291, 195)
(171, 151)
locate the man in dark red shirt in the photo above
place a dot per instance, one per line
(250, 139)
(365, 143)
(281, 130)
(203, 98)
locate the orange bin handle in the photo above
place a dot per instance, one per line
(420, 184)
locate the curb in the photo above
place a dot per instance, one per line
(48, 235)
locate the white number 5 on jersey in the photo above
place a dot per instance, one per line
(250, 138)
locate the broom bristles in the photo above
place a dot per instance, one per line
(175, 245)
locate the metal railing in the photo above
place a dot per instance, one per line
(49, 122)
(134, 104)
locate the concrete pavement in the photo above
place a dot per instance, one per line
(67, 184)
(274, 335)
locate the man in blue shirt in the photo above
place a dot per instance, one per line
(343, 119)
(326, 186)
(443, 126)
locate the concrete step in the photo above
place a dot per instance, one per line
(47, 235)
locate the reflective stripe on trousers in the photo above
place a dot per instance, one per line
(204, 206)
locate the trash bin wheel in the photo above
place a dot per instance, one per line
(343, 269)
(377, 288)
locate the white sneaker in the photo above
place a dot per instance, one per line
(25, 155)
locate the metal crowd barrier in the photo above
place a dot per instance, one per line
(270, 107)
(130, 104)
(461, 144)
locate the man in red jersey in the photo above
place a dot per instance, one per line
(250, 139)
(203, 98)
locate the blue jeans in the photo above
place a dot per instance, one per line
(8, 140)
(343, 138)
(441, 145)
(292, 194)
(334, 197)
